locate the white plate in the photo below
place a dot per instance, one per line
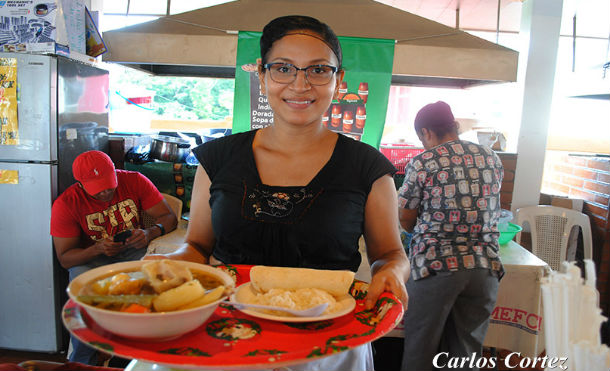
(245, 294)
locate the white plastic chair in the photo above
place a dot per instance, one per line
(550, 227)
(174, 203)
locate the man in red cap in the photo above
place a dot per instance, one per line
(88, 215)
(450, 200)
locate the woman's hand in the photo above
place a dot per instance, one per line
(387, 279)
(186, 252)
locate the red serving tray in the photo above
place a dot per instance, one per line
(230, 339)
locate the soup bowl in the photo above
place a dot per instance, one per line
(156, 326)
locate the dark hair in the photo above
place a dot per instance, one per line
(281, 26)
(436, 117)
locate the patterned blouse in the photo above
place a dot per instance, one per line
(456, 189)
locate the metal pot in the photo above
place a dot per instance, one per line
(170, 149)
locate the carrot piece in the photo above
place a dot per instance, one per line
(136, 308)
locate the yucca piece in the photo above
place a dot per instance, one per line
(209, 297)
(178, 296)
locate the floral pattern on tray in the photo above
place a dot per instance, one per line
(236, 340)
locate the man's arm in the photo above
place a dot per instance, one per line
(70, 252)
(163, 215)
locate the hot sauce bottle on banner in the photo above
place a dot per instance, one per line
(342, 90)
(335, 116)
(325, 118)
(360, 117)
(348, 120)
(363, 91)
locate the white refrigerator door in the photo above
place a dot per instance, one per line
(36, 109)
(28, 303)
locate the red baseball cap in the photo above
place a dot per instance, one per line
(95, 171)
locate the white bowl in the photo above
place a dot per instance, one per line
(146, 326)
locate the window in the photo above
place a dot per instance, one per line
(142, 103)
(477, 109)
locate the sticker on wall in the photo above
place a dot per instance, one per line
(9, 176)
(9, 127)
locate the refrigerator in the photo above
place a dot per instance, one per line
(58, 110)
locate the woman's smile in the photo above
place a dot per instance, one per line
(299, 103)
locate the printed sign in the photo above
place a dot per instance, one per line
(36, 25)
(9, 126)
(9, 177)
(94, 43)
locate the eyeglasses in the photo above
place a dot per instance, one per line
(286, 73)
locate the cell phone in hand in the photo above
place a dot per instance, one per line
(122, 236)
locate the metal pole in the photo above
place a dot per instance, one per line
(574, 43)
(498, 23)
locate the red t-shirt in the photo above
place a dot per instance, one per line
(75, 213)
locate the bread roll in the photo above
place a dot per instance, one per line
(265, 278)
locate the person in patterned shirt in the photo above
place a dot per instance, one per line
(450, 201)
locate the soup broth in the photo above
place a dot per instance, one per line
(118, 291)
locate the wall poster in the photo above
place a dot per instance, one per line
(9, 176)
(360, 109)
(9, 126)
(36, 26)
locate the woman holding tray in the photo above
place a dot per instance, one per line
(296, 194)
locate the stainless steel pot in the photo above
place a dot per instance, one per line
(170, 149)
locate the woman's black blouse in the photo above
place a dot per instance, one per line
(315, 225)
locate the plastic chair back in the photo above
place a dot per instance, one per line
(174, 203)
(550, 227)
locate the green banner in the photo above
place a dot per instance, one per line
(363, 97)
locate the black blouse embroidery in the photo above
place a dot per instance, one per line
(270, 204)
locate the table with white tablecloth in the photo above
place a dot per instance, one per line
(516, 322)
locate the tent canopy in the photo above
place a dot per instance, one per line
(205, 40)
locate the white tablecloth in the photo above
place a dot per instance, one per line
(516, 322)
